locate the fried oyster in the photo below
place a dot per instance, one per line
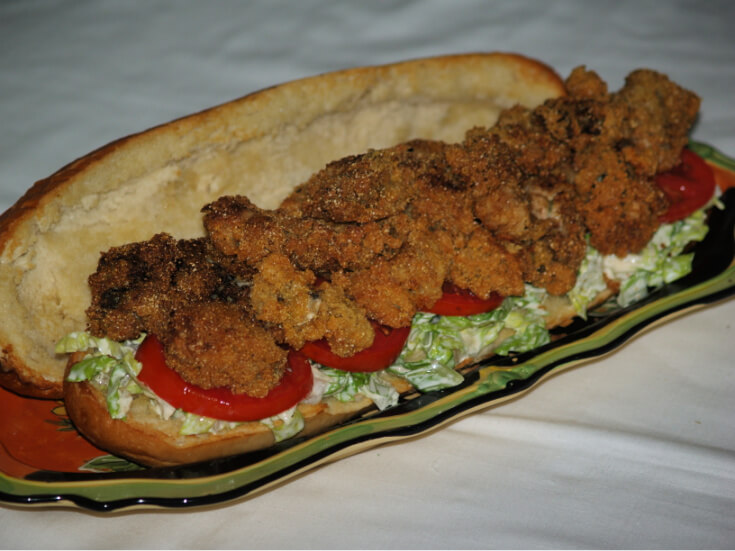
(374, 237)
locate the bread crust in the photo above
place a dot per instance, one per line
(277, 136)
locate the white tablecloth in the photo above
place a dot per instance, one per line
(633, 450)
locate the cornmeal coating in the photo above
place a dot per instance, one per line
(392, 291)
(363, 188)
(301, 309)
(138, 286)
(217, 344)
(238, 227)
(374, 237)
(606, 148)
(485, 266)
(659, 114)
(196, 302)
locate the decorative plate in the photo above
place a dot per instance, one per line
(44, 461)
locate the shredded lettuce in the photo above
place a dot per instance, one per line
(590, 282)
(191, 423)
(111, 366)
(527, 319)
(437, 344)
(660, 262)
(286, 424)
(429, 355)
(345, 385)
(81, 341)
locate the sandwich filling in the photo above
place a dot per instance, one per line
(556, 206)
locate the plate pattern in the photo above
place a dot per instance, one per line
(44, 461)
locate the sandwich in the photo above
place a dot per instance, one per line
(280, 264)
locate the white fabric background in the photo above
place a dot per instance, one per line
(633, 450)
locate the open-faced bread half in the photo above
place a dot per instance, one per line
(261, 146)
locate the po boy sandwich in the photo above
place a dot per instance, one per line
(397, 224)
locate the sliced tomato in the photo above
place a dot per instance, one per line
(461, 302)
(386, 347)
(688, 186)
(221, 403)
